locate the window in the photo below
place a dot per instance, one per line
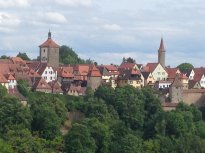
(45, 72)
(45, 78)
(51, 78)
(163, 73)
(50, 72)
(44, 50)
(158, 73)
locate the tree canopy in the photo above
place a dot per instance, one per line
(183, 67)
(128, 60)
(24, 56)
(68, 56)
(121, 120)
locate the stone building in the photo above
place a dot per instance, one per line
(176, 90)
(161, 54)
(94, 78)
(49, 52)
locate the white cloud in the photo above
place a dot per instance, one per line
(48, 17)
(7, 19)
(75, 2)
(112, 27)
(13, 3)
(55, 17)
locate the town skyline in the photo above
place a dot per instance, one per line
(100, 30)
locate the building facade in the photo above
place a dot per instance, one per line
(49, 52)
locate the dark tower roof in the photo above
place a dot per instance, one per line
(161, 47)
(49, 42)
(49, 35)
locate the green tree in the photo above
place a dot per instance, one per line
(101, 134)
(179, 123)
(68, 56)
(3, 91)
(79, 140)
(129, 104)
(106, 93)
(23, 87)
(48, 114)
(153, 121)
(22, 141)
(5, 147)
(13, 113)
(128, 60)
(24, 56)
(4, 57)
(185, 66)
(46, 121)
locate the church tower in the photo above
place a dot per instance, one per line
(49, 52)
(161, 53)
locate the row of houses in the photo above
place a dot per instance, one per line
(74, 80)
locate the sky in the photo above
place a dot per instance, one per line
(107, 30)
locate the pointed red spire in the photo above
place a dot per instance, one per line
(161, 48)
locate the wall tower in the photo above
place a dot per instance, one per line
(49, 52)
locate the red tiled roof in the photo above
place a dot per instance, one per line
(42, 68)
(18, 60)
(94, 72)
(111, 67)
(151, 66)
(41, 84)
(9, 77)
(6, 61)
(82, 69)
(32, 73)
(200, 70)
(171, 72)
(126, 65)
(33, 64)
(135, 72)
(66, 72)
(56, 86)
(49, 43)
(3, 79)
(198, 76)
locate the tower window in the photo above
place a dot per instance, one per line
(44, 50)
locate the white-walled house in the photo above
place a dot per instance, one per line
(162, 84)
(47, 72)
(191, 74)
(158, 72)
(12, 83)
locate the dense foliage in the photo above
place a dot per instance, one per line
(23, 56)
(124, 120)
(69, 56)
(128, 60)
(185, 66)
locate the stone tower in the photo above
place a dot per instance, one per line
(49, 52)
(161, 53)
(176, 90)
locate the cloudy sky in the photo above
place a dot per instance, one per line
(107, 30)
